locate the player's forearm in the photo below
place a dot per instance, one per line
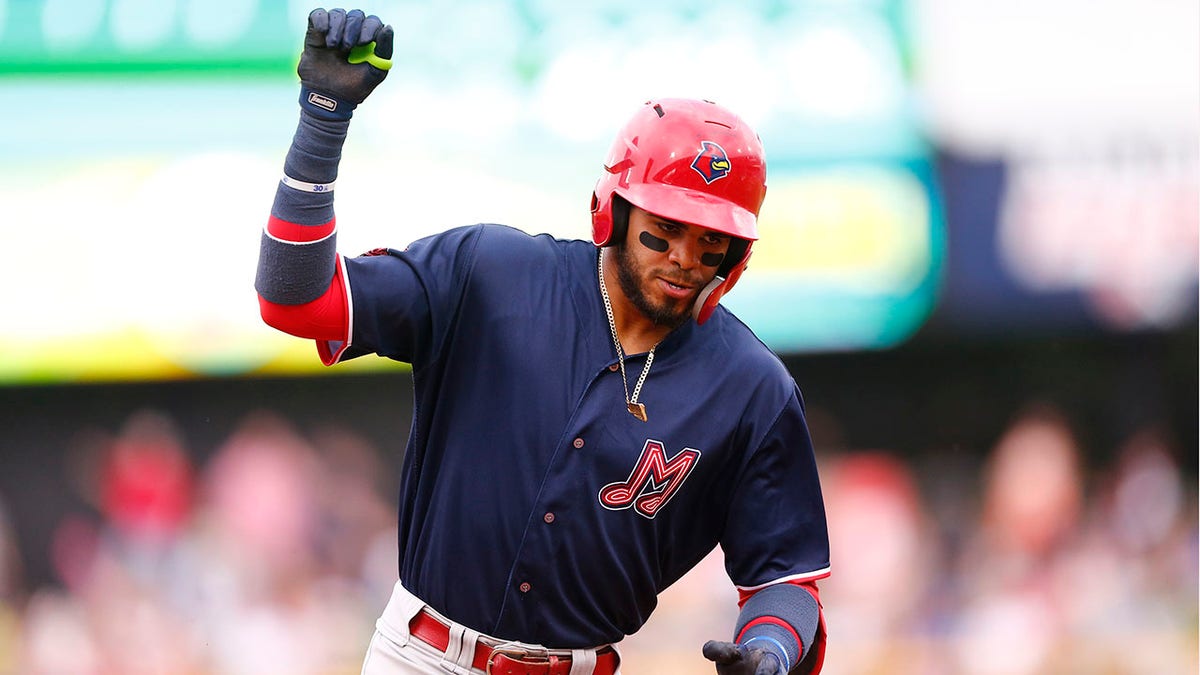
(297, 256)
(781, 619)
(316, 149)
(297, 284)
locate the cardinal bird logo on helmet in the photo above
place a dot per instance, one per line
(712, 163)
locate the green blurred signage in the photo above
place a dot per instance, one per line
(151, 135)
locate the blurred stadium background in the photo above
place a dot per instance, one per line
(979, 260)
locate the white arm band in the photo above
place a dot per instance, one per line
(307, 187)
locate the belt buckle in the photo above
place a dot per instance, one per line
(514, 652)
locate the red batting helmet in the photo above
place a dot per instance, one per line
(693, 162)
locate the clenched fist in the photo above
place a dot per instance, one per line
(332, 82)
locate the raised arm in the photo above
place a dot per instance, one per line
(346, 55)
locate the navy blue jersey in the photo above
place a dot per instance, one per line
(534, 507)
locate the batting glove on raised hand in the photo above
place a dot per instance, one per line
(338, 68)
(738, 659)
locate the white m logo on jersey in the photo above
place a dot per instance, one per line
(652, 482)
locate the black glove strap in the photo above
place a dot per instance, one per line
(325, 106)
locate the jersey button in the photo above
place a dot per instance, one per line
(549, 517)
(578, 443)
(614, 367)
(525, 587)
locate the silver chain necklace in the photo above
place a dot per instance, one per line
(636, 409)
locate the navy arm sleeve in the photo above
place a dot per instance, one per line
(298, 248)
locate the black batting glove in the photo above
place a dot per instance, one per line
(737, 659)
(337, 71)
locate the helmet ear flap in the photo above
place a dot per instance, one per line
(601, 218)
(610, 219)
(738, 251)
(620, 219)
(710, 295)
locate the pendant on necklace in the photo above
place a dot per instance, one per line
(638, 410)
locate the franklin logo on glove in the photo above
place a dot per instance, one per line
(323, 102)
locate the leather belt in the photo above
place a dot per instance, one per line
(507, 659)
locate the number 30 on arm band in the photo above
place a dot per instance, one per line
(307, 187)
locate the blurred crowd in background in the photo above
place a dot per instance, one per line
(275, 553)
(272, 557)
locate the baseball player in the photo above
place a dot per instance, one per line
(589, 422)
